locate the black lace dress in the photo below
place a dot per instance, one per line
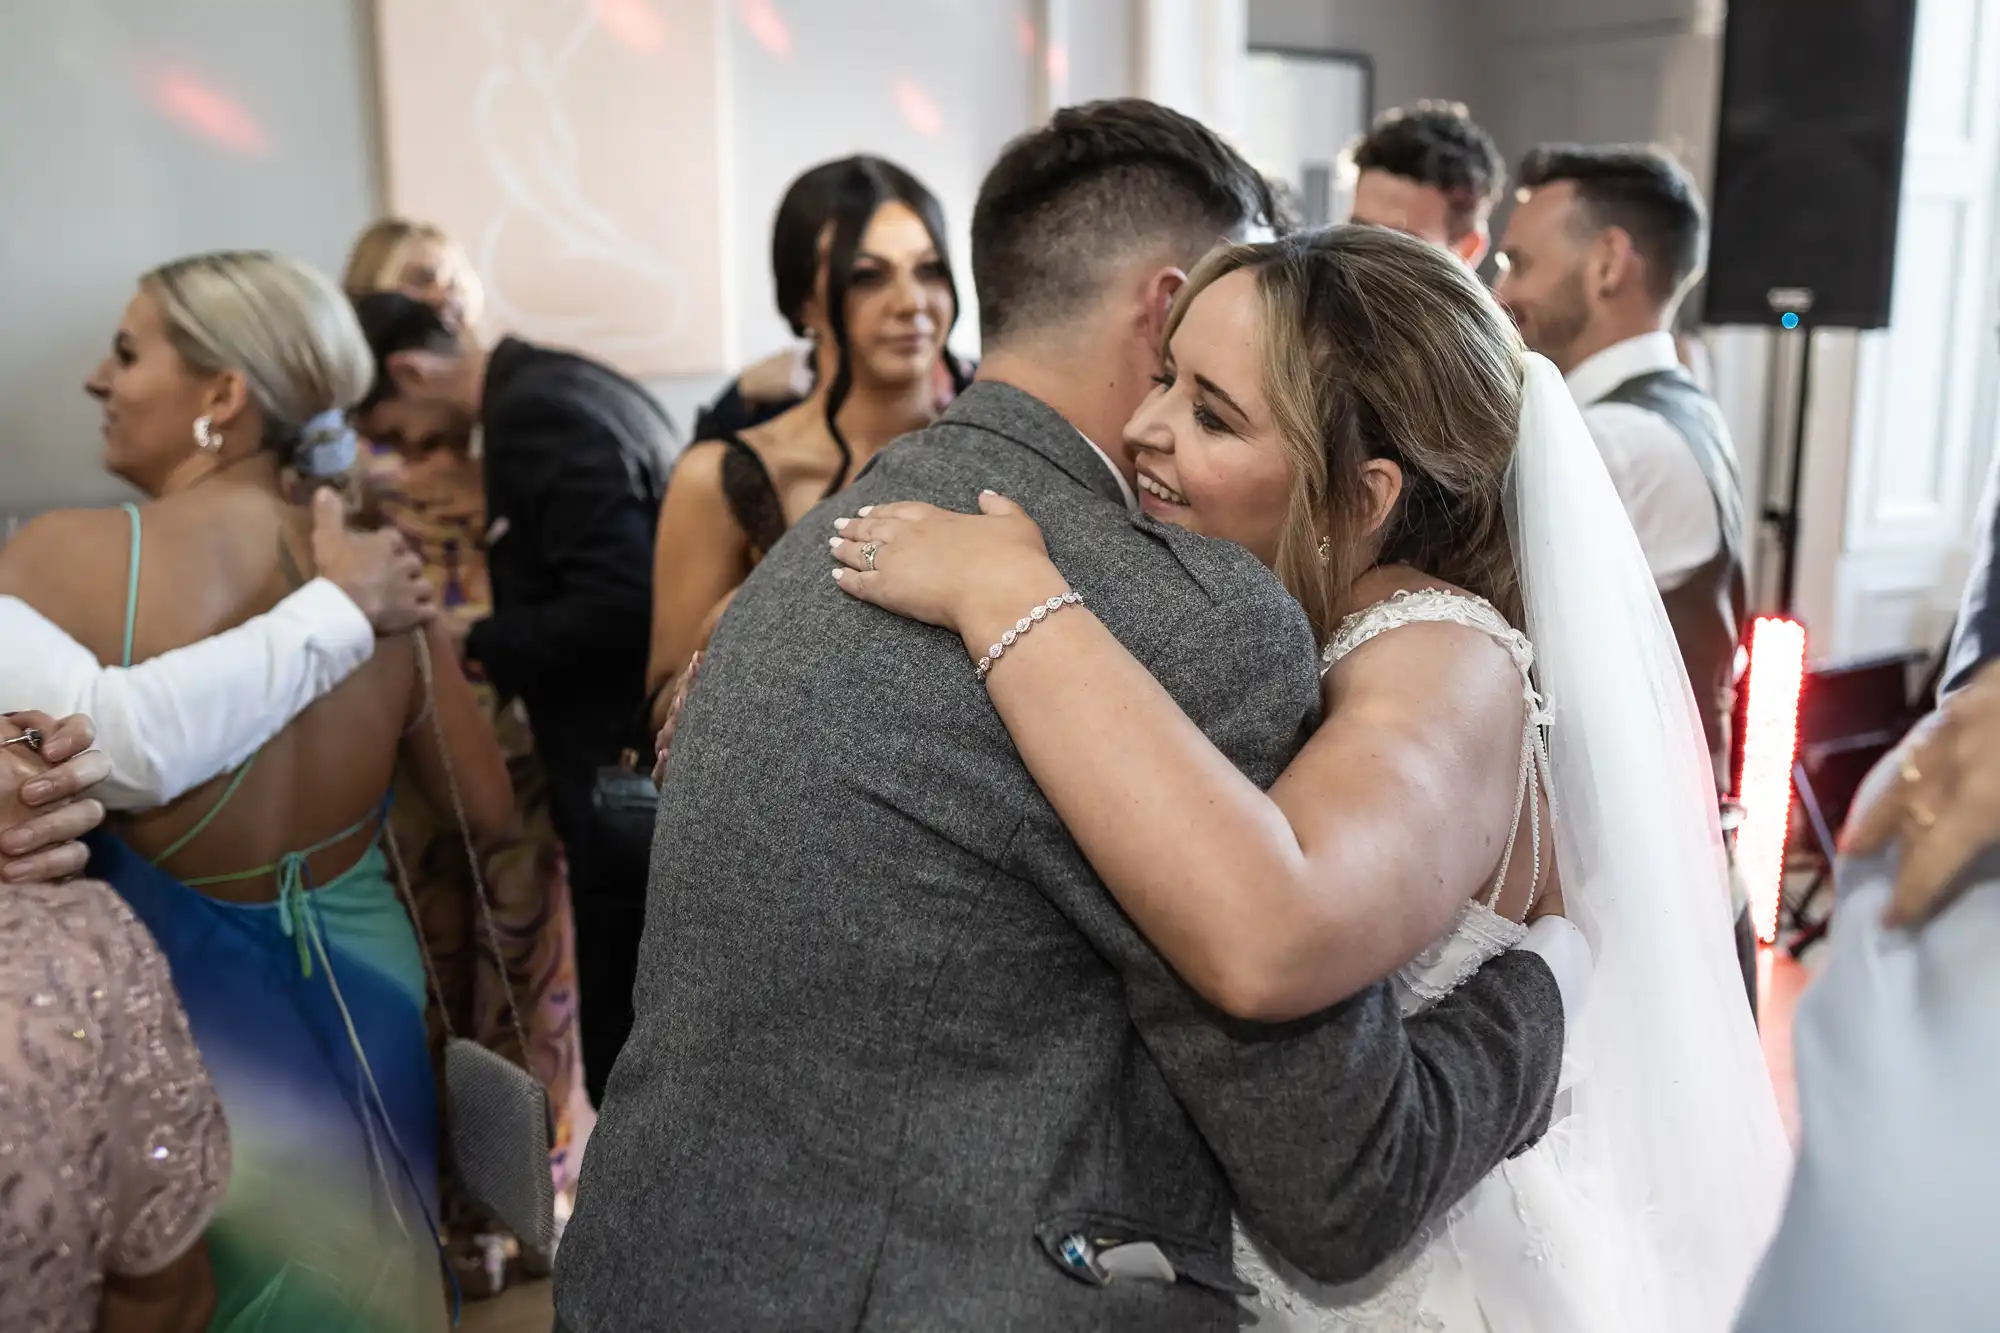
(752, 496)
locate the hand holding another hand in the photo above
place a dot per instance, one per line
(43, 806)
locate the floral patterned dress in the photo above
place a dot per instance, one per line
(438, 503)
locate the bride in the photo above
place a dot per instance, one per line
(1507, 730)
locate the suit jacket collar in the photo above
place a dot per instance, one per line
(1013, 414)
(502, 364)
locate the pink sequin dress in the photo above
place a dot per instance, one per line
(113, 1151)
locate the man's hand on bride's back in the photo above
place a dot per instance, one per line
(971, 573)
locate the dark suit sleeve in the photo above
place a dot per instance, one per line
(1345, 1133)
(569, 496)
(1976, 641)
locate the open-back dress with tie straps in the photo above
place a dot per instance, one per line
(309, 1012)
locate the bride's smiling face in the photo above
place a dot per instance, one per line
(1205, 442)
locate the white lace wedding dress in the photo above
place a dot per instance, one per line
(1524, 1251)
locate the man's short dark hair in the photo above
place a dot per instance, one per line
(1437, 144)
(1639, 189)
(392, 323)
(1100, 182)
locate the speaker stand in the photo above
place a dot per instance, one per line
(1786, 520)
(1805, 930)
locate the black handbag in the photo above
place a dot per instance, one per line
(624, 805)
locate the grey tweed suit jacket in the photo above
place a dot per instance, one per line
(895, 1041)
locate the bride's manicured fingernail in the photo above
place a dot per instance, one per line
(865, 510)
(837, 573)
(840, 525)
(833, 543)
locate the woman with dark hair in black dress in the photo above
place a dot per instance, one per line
(877, 307)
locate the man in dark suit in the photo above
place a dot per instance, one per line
(575, 458)
(1976, 640)
(901, 1063)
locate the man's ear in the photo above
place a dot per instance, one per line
(1163, 285)
(1612, 263)
(1471, 248)
(416, 370)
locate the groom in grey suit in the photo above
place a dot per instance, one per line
(900, 1061)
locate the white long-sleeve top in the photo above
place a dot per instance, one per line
(173, 722)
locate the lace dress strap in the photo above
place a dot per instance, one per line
(1430, 606)
(752, 495)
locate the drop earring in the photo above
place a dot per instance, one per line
(1325, 549)
(206, 437)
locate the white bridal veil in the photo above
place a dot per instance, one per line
(1673, 1125)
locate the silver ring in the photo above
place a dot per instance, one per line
(868, 551)
(30, 738)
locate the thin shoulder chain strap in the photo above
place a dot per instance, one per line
(492, 932)
(1429, 606)
(1534, 765)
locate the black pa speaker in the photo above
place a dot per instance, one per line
(1809, 161)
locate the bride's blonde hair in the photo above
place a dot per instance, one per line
(1378, 345)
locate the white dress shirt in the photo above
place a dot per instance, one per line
(1124, 486)
(171, 723)
(1654, 469)
(1558, 941)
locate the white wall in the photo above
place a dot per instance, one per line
(1421, 48)
(111, 111)
(134, 131)
(871, 86)
(1094, 48)
(937, 86)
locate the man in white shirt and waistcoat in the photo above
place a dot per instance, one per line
(1603, 245)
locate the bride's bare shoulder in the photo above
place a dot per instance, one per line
(1425, 645)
